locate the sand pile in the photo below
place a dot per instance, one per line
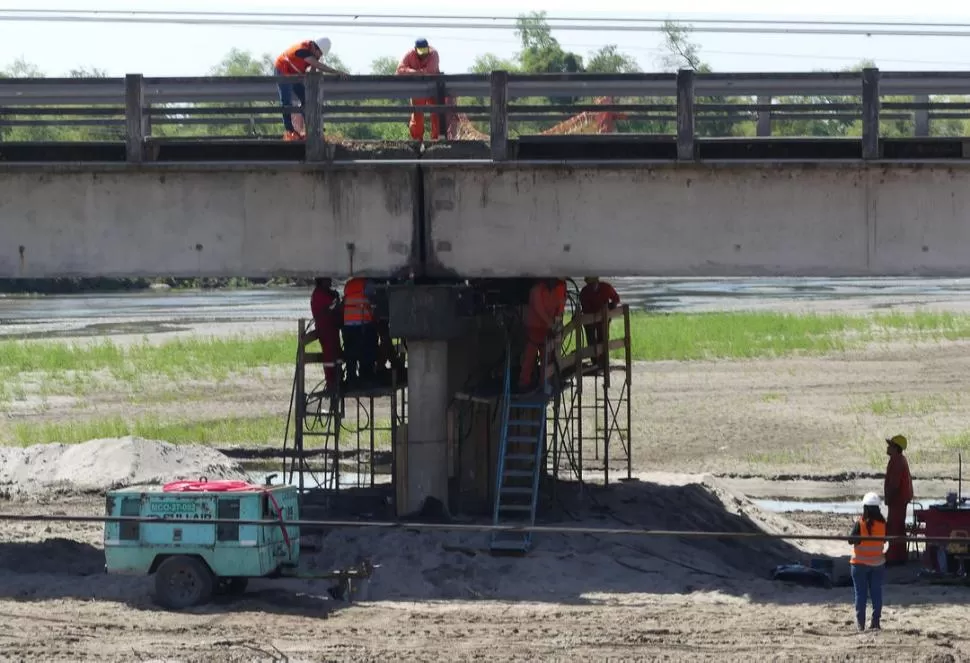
(100, 465)
(567, 567)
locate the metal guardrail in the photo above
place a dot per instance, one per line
(685, 99)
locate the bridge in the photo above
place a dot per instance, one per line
(496, 200)
(503, 204)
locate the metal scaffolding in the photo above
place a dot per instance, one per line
(343, 438)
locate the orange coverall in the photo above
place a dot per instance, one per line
(898, 490)
(411, 63)
(546, 305)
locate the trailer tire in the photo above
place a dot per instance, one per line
(182, 582)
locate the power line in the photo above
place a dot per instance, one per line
(304, 23)
(480, 17)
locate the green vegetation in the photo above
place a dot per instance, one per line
(540, 52)
(187, 370)
(751, 335)
(231, 431)
(77, 367)
(897, 406)
(956, 442)
(194, 358)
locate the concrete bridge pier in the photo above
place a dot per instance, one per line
(427, 317)
(426, 453)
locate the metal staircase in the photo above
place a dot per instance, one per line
(523, 436)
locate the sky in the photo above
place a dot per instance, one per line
(177, 50)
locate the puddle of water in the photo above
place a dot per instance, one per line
(318, 479)
(840, 507)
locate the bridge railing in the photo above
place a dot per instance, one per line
(686, 107)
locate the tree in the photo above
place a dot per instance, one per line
(238, 62)
(681, 52)
(541, 52)
(609, 60)
(385, 65)
(489, 62)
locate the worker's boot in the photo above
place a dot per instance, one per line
(875, 625)
(861, 626)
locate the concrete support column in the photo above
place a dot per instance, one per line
(427, 446)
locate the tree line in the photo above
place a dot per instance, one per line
(540, 52)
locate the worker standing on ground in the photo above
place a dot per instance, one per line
(422, 60)
(547, 303)
(327, 317)
(360, 334)
(868, 561)
(898, 491)
(595, 297)
(297, 60)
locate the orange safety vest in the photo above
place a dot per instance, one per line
(289, 63)
(870, 553)
(357, 308)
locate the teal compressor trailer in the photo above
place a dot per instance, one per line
(193, 561)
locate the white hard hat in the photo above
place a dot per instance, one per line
(323, 43)
(871, 499)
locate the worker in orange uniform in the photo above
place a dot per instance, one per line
(360, 334)
(547, 303)
(898, 491)
(327, 318)
(422, 60)
(297, 60)
(595, 297)
(868, 562)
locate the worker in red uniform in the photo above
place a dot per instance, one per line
(547, 303)
(360, 333)
(898, 493)
(327, 318)
(422, 60)
(297, 60)
(595, 297)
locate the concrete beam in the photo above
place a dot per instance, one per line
(775, 219)
(207, 222)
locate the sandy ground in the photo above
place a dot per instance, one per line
(798, 428)
(438, 597)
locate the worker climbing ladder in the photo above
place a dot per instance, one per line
(521, 449)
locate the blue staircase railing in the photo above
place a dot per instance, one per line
(523, 436)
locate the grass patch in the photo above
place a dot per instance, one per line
(239, 430)
(957, 441)
(889, 406)
(256, 431)
(77, 369)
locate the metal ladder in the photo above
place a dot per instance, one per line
(519, 464)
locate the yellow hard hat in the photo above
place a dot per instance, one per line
(898, 440)
(592, 279)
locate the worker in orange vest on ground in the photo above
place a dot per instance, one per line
(360, 334)
(327, 319)
(868, 562)
(898, 491)
(422, 60)
(297, 60)
(547, 303)
(597, 296)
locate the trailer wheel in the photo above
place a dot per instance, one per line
(182, 582)
(232, 586)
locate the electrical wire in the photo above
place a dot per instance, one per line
(303, 22)
(685, 22)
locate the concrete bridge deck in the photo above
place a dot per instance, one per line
(478, 219)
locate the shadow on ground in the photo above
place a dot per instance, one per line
(584, 569)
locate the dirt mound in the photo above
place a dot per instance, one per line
(569, 567)
(100, 465)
